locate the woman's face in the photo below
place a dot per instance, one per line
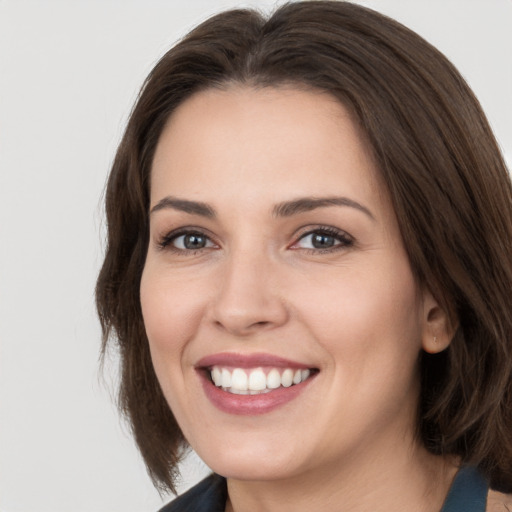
(275, 267)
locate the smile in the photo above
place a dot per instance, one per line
(253, 384)
(247, 381)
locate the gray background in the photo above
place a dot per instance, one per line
(69, 73)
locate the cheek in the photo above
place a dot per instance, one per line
(370, 327)
(363, 316)
(171, 311)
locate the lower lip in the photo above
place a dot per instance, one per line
(247, 405)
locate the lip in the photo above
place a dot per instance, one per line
(247, 405)
(237, 360)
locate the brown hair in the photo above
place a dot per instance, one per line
(446, 178)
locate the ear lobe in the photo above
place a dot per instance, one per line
(437, 329)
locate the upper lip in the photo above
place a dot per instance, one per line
(238, 360)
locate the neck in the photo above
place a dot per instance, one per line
(399, 479)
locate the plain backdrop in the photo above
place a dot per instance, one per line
(69, 73)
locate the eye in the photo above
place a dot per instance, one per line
(324, 240)
(192, 241)
(186, 241)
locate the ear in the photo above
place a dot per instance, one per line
(437, 330)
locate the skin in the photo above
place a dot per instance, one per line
(354, 312)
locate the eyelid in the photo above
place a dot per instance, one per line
(164, 241)
(345, 239)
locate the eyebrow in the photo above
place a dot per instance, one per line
(284, 209)
(306, 204)
(183, 205)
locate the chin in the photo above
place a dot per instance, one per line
(251, 460)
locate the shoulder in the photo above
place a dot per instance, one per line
(498, 502)
(209, 495)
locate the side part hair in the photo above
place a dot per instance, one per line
(446, 178)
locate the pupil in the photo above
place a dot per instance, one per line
(322, 241)
(194, 241)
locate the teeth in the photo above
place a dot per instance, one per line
(226, 378)
(239, 391)
(287, 378)
(257, 380)
(254, 381)
(239, 380)
(217, 376)
(273, 379)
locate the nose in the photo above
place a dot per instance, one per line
(248, 299)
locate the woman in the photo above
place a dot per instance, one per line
(308, 269)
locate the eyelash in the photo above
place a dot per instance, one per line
(344, 240)
(166, 242)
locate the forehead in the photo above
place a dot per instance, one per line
(262, 140)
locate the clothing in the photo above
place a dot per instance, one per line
(209, 495)
(468, 493)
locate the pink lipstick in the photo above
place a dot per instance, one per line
(253, 383)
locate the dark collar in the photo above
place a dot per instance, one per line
(468, 493)
(209, 495)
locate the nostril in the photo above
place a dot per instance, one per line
(247, 314)
(241, 328)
